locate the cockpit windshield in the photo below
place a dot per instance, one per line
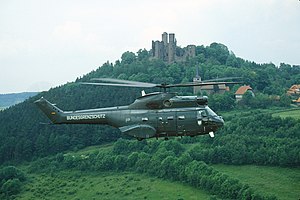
(210, 111)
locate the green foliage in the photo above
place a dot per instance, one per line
(11, 179)
(256, 139)
(222, 102)
(11, 187)
(263, 101)
(11, 172)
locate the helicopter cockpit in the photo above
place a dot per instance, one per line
(207, 117)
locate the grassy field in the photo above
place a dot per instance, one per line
(289, 113)
(275, 112)
(284, 183)
(78, 185)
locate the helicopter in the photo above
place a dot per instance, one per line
(153, 115)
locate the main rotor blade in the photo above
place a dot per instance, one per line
(221, 79)
(142, 84)
(126, 83)
(116, 84)
(199, 84)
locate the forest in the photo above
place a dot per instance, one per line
(256, 138)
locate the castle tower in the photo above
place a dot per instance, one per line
(158, 49)
(165, 38)
(171, 48)
(171, 38)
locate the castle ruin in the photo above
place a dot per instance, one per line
(168, 51)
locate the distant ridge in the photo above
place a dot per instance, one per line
(11, 99)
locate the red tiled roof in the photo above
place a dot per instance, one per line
(243, 89)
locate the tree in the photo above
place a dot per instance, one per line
(11, 172)
(221, 102)
(11, 186)
(132, 159)
(218, 51)
(142, 54)
(120, 162)
(121, 146)
(41, 145)
(142, 164)
(247, 99)
(168, 168)
(285, 100)
(128, 57)
(172, 145)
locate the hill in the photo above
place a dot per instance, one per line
(23, 137)
(255, 137)
(7, 100)
(151, 170)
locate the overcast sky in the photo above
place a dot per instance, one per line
(44, 44)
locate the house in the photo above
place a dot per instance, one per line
(208, 89)
(241, 91)
(211, 89)
(297, 102)
(294, 90)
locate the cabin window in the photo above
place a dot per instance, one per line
(145, 119)
(170, 118)
(181, 117)
(167, 103)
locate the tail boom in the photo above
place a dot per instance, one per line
(58, 116)
(50, 110)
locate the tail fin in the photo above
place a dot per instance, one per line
(50, 110)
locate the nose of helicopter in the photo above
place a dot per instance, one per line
(218, 121)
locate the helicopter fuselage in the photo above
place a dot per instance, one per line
(152, 115)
